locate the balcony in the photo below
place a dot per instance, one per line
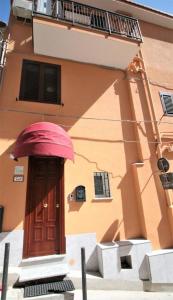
(74, 31)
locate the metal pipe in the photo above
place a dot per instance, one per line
(154, 119)
(158, 133)
(83, 266)
(1, 217)
(5, 272)
(4, 48)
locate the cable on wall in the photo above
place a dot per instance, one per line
(86, 118)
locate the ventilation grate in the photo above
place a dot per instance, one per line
(48, 288)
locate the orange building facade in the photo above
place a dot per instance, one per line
(113, 65)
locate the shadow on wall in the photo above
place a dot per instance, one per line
(164, 232)
(12, 195)
(112, 233)
(82, 88)
(77, 101)
(154, 32)
(86, 85)
(131, 220)
(74, 206)
(92, 261)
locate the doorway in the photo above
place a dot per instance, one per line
(44, 216)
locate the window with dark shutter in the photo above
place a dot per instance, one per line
(101, 184)
(40, 82)
(167, 103)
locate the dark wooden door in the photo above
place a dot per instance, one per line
(44, 220)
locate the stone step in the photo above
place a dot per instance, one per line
(148, 286)
(58, 258)
(96, 282)
(17, 294)
(14, 294)
(42, 267)
(13, 275)
(65, 296)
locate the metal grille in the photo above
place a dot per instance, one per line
(77, 13)
(167, 102)
(48, 288)
(101, 184)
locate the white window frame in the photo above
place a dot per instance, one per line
(104, 195)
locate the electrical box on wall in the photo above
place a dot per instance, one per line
(80, 193)
(167, 180)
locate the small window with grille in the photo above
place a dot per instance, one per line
(101, 184)
(167, 103)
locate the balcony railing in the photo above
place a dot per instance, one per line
(90, 17)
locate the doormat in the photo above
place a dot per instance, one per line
(48, 288)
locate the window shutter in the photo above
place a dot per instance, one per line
(50, 88)
(30, 81)
(40, 82)
(167, 102)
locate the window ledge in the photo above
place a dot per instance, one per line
(39, 101)
(103, 199)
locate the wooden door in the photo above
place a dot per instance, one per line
(44, 219)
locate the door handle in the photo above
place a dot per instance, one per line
(57, 205)
(45, 205)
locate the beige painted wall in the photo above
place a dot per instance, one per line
(157, 52)
(137, 207)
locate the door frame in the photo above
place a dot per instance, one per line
(61, 223)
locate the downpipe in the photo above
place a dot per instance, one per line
(3, 49)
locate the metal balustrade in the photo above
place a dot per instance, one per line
(90, 17)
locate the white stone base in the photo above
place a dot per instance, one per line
(47, 266)
(74, 243)
(159, 265)
(110, 254)
(156, 266)
(137, 249)
(108, 258)
(13, 275)
(15, 238)
(42, 267)
(14, 294)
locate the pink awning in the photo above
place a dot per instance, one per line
(43, 139)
